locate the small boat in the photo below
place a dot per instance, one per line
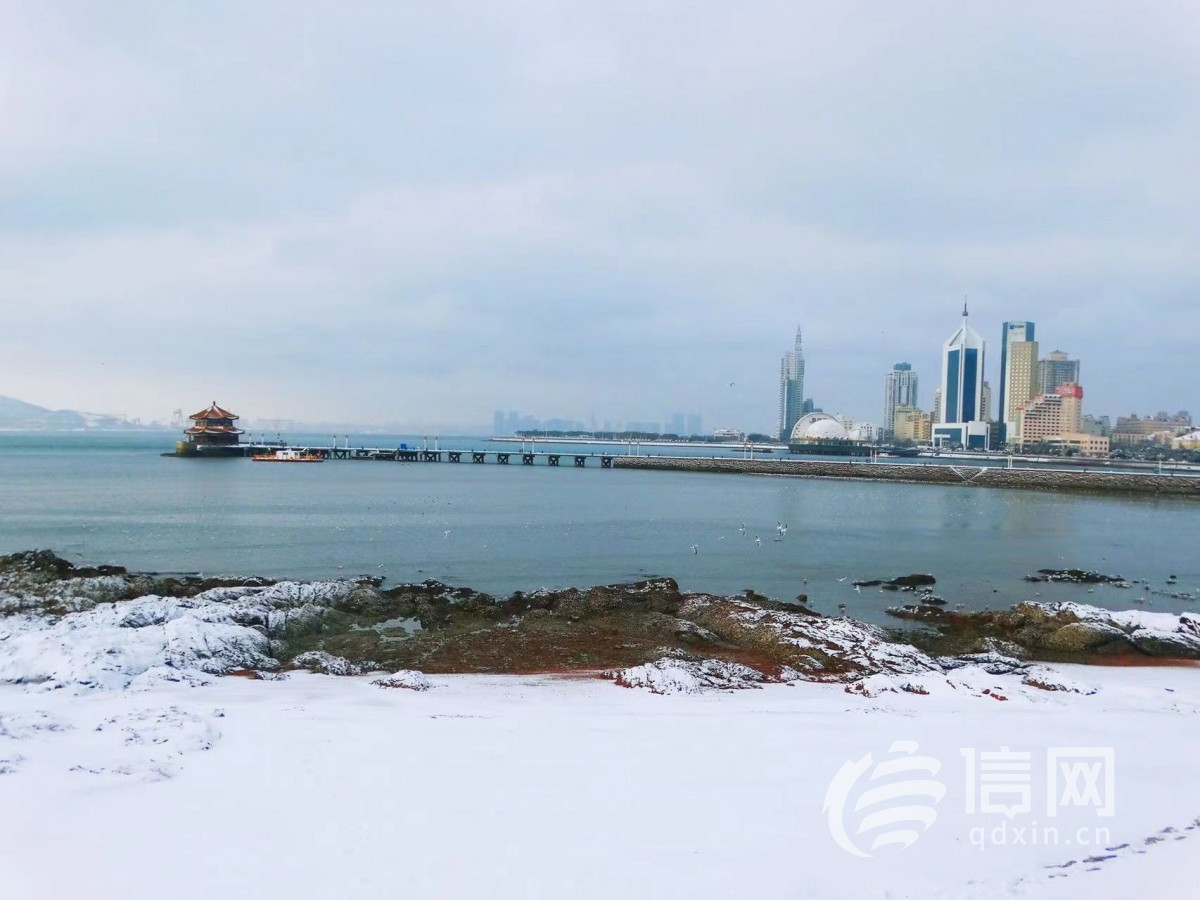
(298, 456)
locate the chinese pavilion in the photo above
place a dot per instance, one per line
(211, 429)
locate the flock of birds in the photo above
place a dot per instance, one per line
(780, 529)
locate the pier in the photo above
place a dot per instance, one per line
(406, 454)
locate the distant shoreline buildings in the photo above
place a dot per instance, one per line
(1040, 400)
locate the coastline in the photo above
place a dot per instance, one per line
(706, 776)
(1172, 485)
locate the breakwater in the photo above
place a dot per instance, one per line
(957, 476)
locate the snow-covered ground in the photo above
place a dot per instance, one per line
(186, 785)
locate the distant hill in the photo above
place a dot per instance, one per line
(17, 415)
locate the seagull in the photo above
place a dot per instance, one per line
(857, 589)
(445, 534)
(758, 540)
(781, 528)
(695, 550)
(843, 578)
(742, 528)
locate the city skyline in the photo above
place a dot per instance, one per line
(600, 213)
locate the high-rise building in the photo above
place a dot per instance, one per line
(910, 424)
(961, 419)
(900, 389)
(791, 389)
(985, 404)
(1018, 374)
(1053, 415)
(1056, 369)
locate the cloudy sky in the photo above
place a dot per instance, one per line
(415, 213)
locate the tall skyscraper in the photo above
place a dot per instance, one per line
(791, 389)
(1018, 374)
(961, 421)
(1057, 370)
(900, 389)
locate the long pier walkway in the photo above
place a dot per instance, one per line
(428, 455)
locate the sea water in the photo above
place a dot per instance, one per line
(112, 498)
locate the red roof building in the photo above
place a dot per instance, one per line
(213, 426)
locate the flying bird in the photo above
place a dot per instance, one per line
(695, 550)
(758, 540)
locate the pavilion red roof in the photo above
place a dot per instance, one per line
(205, 428)
(213, 412)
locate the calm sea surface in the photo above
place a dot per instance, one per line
(101, 498)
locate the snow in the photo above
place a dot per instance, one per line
(535, 786)
(406, 679)
(675, 676)
(110, 644)
(130, 768)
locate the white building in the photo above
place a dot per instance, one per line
(962, 421)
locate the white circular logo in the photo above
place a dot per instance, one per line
(888, 804)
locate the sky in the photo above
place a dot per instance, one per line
(413, 214)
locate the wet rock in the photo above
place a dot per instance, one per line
(903, 582)
(1076, 576)
(914, 580)
(1088, 637)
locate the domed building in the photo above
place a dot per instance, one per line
(820, 434)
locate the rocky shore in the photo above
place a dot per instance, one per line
(951, 475)
(113, 628)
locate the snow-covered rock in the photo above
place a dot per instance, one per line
(676, 676)
(216, 632)
(835, 648)
(1152, 633)
(406, 679)
(325, 663)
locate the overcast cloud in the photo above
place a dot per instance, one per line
(417, 213)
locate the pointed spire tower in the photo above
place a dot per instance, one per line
(962, 374)
(962, 387)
